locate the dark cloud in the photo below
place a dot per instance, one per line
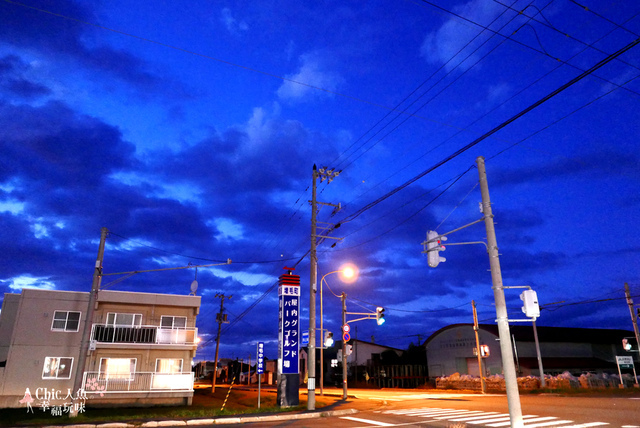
(52, 146)
(13, 82)
(602, 165)
(58, 28)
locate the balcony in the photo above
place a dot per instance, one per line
(143, 334)
(104, 383)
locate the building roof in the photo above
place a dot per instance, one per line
(524, 333)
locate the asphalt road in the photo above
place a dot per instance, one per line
(433, 409)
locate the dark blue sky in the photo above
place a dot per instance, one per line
(190, 131)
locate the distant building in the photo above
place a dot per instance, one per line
(141, 348)
(576, 350)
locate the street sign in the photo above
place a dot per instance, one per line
(260, 357)
(305, 338)
(346, 328)
(289, 329)
(625, 362)
(346, 337)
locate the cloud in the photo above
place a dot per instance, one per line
(441, 45)
(21, 282)
(60, 39)
(311, 75)
(234, 26)
(605, 163)
(14, 81)
(53, 146)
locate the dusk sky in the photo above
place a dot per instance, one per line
(190, 130)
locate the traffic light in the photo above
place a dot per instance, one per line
(380, 315)
(328, 339)
(530, 299)
(484, 351)
(348, 349)
(434, 246)
(630, 344)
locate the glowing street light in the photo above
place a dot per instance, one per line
(348, 273)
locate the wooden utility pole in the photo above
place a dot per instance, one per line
(475, 328)
(634, 319)
(88, 319)
(220, 318)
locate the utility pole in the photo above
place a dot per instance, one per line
(634, 319)
(313, 259)
(329, 175)
(475, 328)
(91, 306)
(343, 297)
(508, 365)
(543, 383)
(220, 318)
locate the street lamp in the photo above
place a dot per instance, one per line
(348, 273)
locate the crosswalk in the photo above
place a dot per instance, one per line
(487, 419)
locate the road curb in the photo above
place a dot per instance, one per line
(214, 421)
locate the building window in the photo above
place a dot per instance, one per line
(118, 368)
(167, 321)
(129, 320)
(57, 368)
(65, 321)
(168, 365)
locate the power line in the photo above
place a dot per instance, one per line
(199, 258)
(419, 97)
(497, 128)
(191, 52)
(569, 35)
(513, 40)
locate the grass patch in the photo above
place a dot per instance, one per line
(205, 405)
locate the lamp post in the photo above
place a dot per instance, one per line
(349, 273)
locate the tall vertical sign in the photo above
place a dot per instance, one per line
(288, 339)
(260, 367)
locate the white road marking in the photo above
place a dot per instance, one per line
(485, 415)
(549, 424)
(490, 419)
(505, 418)
(367, 421)
(459, 414)
(530, 419)
(587, 425)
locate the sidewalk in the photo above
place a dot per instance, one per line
(328, 411)
(213, 421)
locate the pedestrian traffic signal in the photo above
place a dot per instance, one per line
(630, 344)
(348, 349)
(328, 339)
(434, 246)
(484, 351)
(380, 315)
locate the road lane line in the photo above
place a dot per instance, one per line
(459, 414)
(549, 424)
(587, 425)
(432, 412)
(367, 421)
(486, 415)
(505, 420)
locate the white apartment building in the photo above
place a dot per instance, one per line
(141, 349)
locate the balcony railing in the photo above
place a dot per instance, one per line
(104, 383)
(144, 334)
